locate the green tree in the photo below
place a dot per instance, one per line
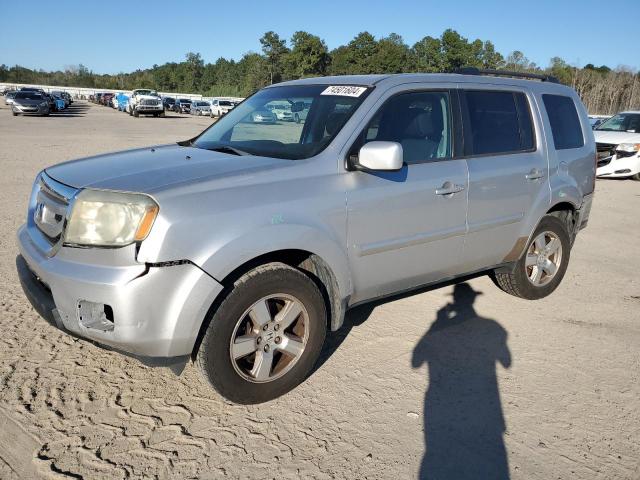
(309, 56)
(274, 48)
(427, 54)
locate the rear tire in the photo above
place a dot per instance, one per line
(521, 280)
(241, 378)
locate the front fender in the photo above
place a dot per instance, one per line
(224, 259)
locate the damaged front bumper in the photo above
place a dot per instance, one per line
(144, 310)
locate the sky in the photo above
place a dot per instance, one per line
(120, 36)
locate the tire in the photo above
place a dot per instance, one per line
(14, 114)
(636, 177)
(297, 118)
(162, 114)
(516, 280)
(230, 377)
(136, 113)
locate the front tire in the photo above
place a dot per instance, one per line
(265, 336)
(636, 177)
(543, 264)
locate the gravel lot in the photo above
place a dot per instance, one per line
(546, 389)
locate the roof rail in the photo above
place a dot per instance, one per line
(507, 73)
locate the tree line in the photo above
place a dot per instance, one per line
(603, 90)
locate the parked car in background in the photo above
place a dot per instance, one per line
(168, 103)
(106, 99)
(200, 107)
(58, 95)
(145, 102)
(243, 256)
(97, 97)
(68, 97)
(182, 105)
(30, 102)
(263, 115)
(618, 145)
(53, 105)
(282, 111)
(221, 107)
(300, 110)
(60, 102)
(8, 99)
(123, 101)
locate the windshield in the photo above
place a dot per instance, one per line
(622, 122)
(225, 103)
(184, 100)
(253, 129)
(28, 96)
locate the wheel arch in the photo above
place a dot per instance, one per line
(314, 266)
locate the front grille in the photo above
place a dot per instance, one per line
(604, 162)
(605, 150)
(150, 102)
(50, 209)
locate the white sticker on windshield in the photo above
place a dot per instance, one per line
(344, 90)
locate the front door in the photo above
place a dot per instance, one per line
(407, 228)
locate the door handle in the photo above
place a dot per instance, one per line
(449, 188)
(534, 174)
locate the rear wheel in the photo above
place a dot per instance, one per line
(265, 336)
(543, 265)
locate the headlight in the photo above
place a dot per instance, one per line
(628, 147)
(44, 104)
(110, 219)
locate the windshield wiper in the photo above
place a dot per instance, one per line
(228, 149)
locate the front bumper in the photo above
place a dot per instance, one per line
(31, 109)
(619, 167)
(149, 108)
(157, 311)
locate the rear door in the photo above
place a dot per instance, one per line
(508, 171)
(407, 228)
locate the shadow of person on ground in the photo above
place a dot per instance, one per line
(463, 419)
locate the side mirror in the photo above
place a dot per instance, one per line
(386, 156)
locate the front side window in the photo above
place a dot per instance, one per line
(419, 121)
(499, 122)
(565, 124)
(257, 127)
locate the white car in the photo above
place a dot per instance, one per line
(618, 145)
(221, 107)
(145, 102)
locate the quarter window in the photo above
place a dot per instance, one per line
(499, 122)
(565, 124)
(419, 121)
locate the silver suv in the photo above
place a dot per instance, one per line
(239, 248)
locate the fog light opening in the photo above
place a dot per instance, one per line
(97, 316)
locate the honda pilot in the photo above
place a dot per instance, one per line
(240, 248)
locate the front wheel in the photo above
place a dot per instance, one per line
(540, 270)
(636, 176)
(265, 336)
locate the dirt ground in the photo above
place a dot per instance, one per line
(509, 388)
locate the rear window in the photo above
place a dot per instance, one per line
(565, 124)
(500, 122)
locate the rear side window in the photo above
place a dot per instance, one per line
(499, 122)
(565, 124)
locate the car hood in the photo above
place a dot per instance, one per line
(152, 169)
(603, 136)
